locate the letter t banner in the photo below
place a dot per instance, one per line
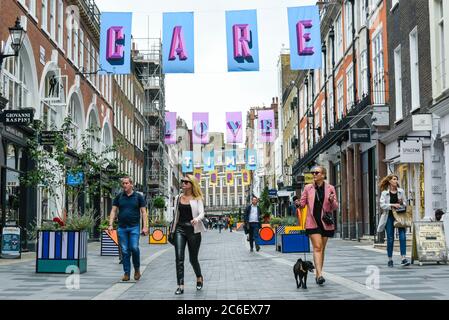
(242, 40)
(305, 38)
(178, 40)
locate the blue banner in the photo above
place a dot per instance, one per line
(242, 40)
(209, 161)
(251, 160)
(305, 38)
(178, 43)
(187, 161)
(231, 160)
(115, 42)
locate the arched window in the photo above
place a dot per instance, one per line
(94, 125)
(52, 98)
(15, 83)
(75, 114)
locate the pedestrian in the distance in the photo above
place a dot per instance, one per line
(393, 197)
(188, 225)
(231, 223)
(252, 222)
(320, 199)
(220, 225)
(131, 209)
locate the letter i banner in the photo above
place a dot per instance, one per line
(178, 42)
(305, 37)
(115, 42)
(242, 40)
(187, 161)
(170, 128)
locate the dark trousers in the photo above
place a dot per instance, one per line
(253, 233)
(184, 235)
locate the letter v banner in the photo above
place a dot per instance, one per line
(115, 42)
(178, 42)
(305, 37)
(234, 131)
(242, 40)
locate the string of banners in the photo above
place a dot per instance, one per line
(241, 39)
(234, 127)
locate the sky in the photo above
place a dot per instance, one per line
(211, 88)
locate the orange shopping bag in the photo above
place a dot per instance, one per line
(301, 214)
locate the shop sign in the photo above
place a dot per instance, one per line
(11, 243)
(75, 179)
(272, 193)
(360, 135)
(410, 151)
(429, 242)
(17, 117)
(422, 122)
(49, 138)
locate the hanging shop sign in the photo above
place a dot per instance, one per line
(75, 179)
(49, 138)
(410, 151)
(429, 242)
(360, 135)
(17, 117)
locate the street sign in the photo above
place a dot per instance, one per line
(48, 138)
(11, 243)
(360, 135)
(272, 193)
(17, 117)
(75, 179)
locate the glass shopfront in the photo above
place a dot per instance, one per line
(411, 179)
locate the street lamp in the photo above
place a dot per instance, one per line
(326, 109)
(17, 34)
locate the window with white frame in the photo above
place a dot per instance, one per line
(340, 101)
(53, 19)
(339, 38)
(76, 117)
(414, 68)
(316, 119)
(60, 23)
(378, 70)
(331, 103)
(398, 82)
(441, 50)
(362, 11)
(350, 87)
(44, 14)
(323, 119)
(69, 46)
(348, 24)
(363, 73)
(14, 82)
(75, 46)
(81, 44)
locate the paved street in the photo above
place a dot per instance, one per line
(231, 272)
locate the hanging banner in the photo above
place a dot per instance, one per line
(234, 131)
(213, 178)
(200, 125)
(170, 127)
(187, 161)
(305, 38)
(242, 40)
(230, 160)
(178, 42)
(251, 160)
(197, 173)
(115, 42)
(230, 178)
(246, 178)
(209, 162)
(266, 126)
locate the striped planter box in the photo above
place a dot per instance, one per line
(58, 250)
(109, 244)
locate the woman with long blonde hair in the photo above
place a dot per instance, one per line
(188, 225)
(393, 197)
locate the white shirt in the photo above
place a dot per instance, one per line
(253, 214)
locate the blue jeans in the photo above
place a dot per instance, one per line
(390, 237)
(129, 242)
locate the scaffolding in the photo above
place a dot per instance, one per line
(148, 69)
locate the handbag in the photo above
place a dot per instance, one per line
(171, 234)
(328, 217)
(403, 217)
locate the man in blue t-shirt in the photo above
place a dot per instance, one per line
(131, 209)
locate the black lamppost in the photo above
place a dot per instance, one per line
(326, 111)
(306, 83)
(17, 34)
(312, 107)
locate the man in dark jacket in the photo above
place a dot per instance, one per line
(252, 222)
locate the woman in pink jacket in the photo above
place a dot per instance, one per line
(321, 201)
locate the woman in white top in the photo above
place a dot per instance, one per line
(188, 225)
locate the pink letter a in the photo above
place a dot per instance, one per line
(177, 44)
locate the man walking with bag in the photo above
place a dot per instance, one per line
(252, 218)
(131, 210)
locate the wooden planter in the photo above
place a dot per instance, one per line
(158, 235)
(58, 250)
(109, 243)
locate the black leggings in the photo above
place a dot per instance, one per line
(184, 235)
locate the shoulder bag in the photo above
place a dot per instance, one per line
(171, 234)
(403, 217)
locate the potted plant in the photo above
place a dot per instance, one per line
(64, 174)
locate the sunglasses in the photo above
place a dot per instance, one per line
(185, 181)
(315, 172)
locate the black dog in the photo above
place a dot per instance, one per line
(300, 270)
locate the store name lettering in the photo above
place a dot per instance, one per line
(411, 150)
(18, 118)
